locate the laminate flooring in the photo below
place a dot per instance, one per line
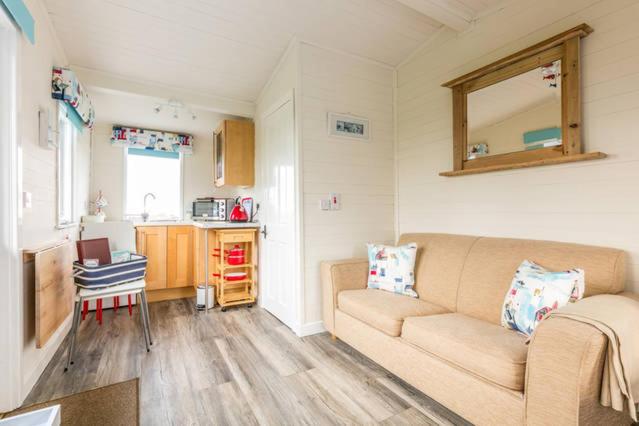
(240, 367)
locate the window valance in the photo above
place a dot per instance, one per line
(66, 87)
(154, 140)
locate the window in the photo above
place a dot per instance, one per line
(67, 136)
(153, 172)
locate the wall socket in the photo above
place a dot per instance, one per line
(336, 200)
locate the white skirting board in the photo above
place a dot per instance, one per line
(311, 328)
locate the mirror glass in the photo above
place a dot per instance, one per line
(518, 114)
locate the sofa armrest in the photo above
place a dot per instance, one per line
(563, 375)
(338, 275)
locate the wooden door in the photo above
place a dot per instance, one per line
(151, 242)
(278, 264)
(179, 269)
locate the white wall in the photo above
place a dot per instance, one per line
(362, 172)
(38, 224)
(590, 202)
(137, 111)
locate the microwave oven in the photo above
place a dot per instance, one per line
(212, 208)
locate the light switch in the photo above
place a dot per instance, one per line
(325, 204)
(26, 200)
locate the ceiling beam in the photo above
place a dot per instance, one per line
(449, 13)
(100, 80)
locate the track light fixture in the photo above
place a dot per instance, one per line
(176, 106)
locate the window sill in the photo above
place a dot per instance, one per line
(67, 225)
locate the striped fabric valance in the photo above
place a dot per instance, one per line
(153, 140)
(66, 87)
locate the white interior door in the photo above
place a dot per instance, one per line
(278, 263)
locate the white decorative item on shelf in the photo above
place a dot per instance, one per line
(100, 203)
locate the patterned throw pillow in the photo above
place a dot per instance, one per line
(535, 291)
(391, 268)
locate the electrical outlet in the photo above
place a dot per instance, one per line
(336, 200)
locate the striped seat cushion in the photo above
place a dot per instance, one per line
(111, 274)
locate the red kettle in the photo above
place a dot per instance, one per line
(238, 214)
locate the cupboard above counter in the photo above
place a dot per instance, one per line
(234, 153)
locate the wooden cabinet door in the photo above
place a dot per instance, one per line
(151, 242)
(234, 153)
(239, 159)
(179, 266)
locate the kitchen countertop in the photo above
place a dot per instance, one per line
(200, 224)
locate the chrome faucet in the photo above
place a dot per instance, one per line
(145, 215)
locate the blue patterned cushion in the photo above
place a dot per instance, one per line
(391, 268)
(535, 291)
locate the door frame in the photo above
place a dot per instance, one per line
(298, 298)
(10, 183)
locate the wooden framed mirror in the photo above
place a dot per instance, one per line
(521, 111)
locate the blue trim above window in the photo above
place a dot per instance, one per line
(22, 17)
(73, 116)
(153, 153)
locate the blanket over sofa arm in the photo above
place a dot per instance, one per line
(569, 351)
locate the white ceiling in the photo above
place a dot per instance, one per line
(229, 48)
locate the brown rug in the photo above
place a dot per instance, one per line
(112, 405)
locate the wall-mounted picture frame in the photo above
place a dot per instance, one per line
(348, 126)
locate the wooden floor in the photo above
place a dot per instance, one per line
(242, 366)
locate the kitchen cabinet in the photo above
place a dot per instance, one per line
(151, 242)
(234, 153)
(176, 261)
(179, 256)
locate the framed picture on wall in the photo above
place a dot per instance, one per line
(348, 126)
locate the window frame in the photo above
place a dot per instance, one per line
(125, 216)
(63, 122)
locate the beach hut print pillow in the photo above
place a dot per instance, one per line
(536, 291)
(391, 268)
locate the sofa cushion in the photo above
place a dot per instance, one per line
(492, 262)
(487, 350)
(438, 266)
(383, 310)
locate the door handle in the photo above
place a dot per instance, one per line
(263, 231)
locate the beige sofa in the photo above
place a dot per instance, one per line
(450, 345)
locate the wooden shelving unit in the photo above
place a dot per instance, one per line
(241, 292)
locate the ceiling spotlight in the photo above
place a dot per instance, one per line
(157, 109)
(193, 117)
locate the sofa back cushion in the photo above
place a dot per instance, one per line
(491, 264)
(438, 266)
